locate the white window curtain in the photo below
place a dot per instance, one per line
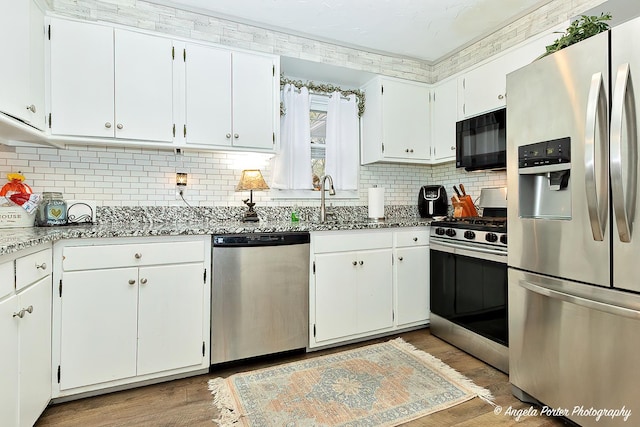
(292, 166)
(342, 142)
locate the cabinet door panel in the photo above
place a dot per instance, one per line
(336, 295)
(144, 87)
(443, 136)
(9, 367)
(35, 351)
(82, 82)
(170, 317)
(14, 74)
(99, 326)
(405, 120)
(412, 281)
(253, 101)
(374, 297)
(36, 88)
(208, 96)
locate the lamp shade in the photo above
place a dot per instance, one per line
(251, 179)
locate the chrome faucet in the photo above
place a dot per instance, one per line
(332, 192)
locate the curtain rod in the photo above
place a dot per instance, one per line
(326, 89)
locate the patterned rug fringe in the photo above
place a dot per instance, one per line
(223, 400)
(447, 370)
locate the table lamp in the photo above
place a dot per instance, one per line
(251, 179)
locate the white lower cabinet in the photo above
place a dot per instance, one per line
(367, 282)
(411, 276)
(25, 331)
(138, 310)
(351, 285)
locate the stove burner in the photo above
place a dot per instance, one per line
(490, 231)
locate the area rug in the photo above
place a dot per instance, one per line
(383, 384)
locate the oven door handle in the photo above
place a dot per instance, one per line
(467, 250)
(584, 302)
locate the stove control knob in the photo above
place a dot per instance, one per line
(450, 232)
(469, 235)
(440, 231)
(503, 239)
(491, 237)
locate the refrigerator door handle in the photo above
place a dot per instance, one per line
(584, 302)
(624, 199)
(597, 198)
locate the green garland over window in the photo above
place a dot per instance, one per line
(324, 89)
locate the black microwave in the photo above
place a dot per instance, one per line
(481, 141)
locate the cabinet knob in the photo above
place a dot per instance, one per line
(31, 108)
(411, 150)
(29, 309)
(228, 135)
(415, 239)
(138, 255)
(406, 150)
(453, 148)
(143, 281)
(355, 263)
(361, 262)
(19, 314)
(132, 282)
(501, 96)
(119, 126)
(42, 266)
(400, 258)
(107, 125)
(236, 136)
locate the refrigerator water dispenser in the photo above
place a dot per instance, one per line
(544, 170)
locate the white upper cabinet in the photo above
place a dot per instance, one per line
(443, 124)
(484, 88)
(395, 125)
(143, 87)
(230, 99)
(80, 105)
(107, 83)
(22, 74)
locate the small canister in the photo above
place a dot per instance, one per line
(52, 210)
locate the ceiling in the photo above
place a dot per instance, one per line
(427, 30)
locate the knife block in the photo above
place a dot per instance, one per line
(464, 208)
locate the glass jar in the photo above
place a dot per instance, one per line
(52, 210)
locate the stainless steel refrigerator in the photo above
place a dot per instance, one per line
(574, 229)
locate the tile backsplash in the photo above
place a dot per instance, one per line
(146, 177)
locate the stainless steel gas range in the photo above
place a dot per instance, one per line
(469, 285)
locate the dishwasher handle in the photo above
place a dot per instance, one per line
(260, 239)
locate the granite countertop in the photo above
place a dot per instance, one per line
(15, 239)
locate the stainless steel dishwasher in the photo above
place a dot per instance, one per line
(259, 298)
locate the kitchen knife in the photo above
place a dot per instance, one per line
(457, 192)
(456, 198)
(464, 193)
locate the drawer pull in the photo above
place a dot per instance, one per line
(143, 281)
(28, 309)
(42, 266)
(138, 255)
(415, 239)
(355, 263)
(400, 258)
(132, 282)
(361, 262)
(19, 314)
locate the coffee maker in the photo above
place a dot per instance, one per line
(432, 201)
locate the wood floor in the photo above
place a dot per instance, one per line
(187, 402)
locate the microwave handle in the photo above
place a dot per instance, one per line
(623, 105)
(597, 202)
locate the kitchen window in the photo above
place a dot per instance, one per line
(305, 156)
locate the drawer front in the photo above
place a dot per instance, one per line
(412, 237)
(76, 258)
(31, 268)
(341, 242)
(7, 279)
